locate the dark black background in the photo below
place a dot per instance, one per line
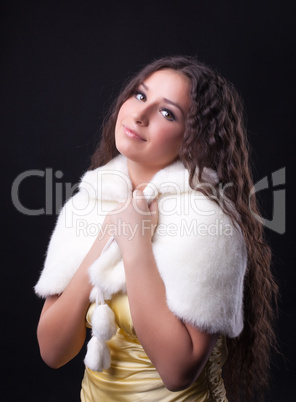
(61, 64)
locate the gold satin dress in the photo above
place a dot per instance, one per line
(133, 378)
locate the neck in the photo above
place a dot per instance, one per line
(140, 174)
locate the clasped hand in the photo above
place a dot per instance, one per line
(133, 223)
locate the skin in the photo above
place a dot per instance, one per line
(158, 124)
(148, 132)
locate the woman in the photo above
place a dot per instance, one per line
(161, 238)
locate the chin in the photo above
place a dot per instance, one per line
(128, 151)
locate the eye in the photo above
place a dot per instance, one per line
(140, 96)
(168, 114)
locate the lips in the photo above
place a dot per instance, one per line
(132, 133)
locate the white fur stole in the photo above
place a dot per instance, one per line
(200, 254)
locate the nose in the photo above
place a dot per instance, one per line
(141, 114)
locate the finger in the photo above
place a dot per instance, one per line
(153, 208)
(120, 207)
(137, 193)
(140, 203)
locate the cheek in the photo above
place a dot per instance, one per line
(168, 142)
(174, 140)
(122, 111)
(119, 116)
(125, 109)
(170, 135)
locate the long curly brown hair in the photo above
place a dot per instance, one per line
(215, 137)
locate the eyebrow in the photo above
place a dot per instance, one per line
(166, 100)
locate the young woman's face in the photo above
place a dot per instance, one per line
(151, 123)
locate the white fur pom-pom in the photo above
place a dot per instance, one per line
(97, 357)
(103, 322)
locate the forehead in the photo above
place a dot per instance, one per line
(167, 76)
(170, 84)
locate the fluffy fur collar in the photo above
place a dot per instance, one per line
(112, 182)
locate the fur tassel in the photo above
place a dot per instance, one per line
(104, 327)
(97, 357)
(109, 257)
(103, 322)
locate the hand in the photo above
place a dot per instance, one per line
(133, 223)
